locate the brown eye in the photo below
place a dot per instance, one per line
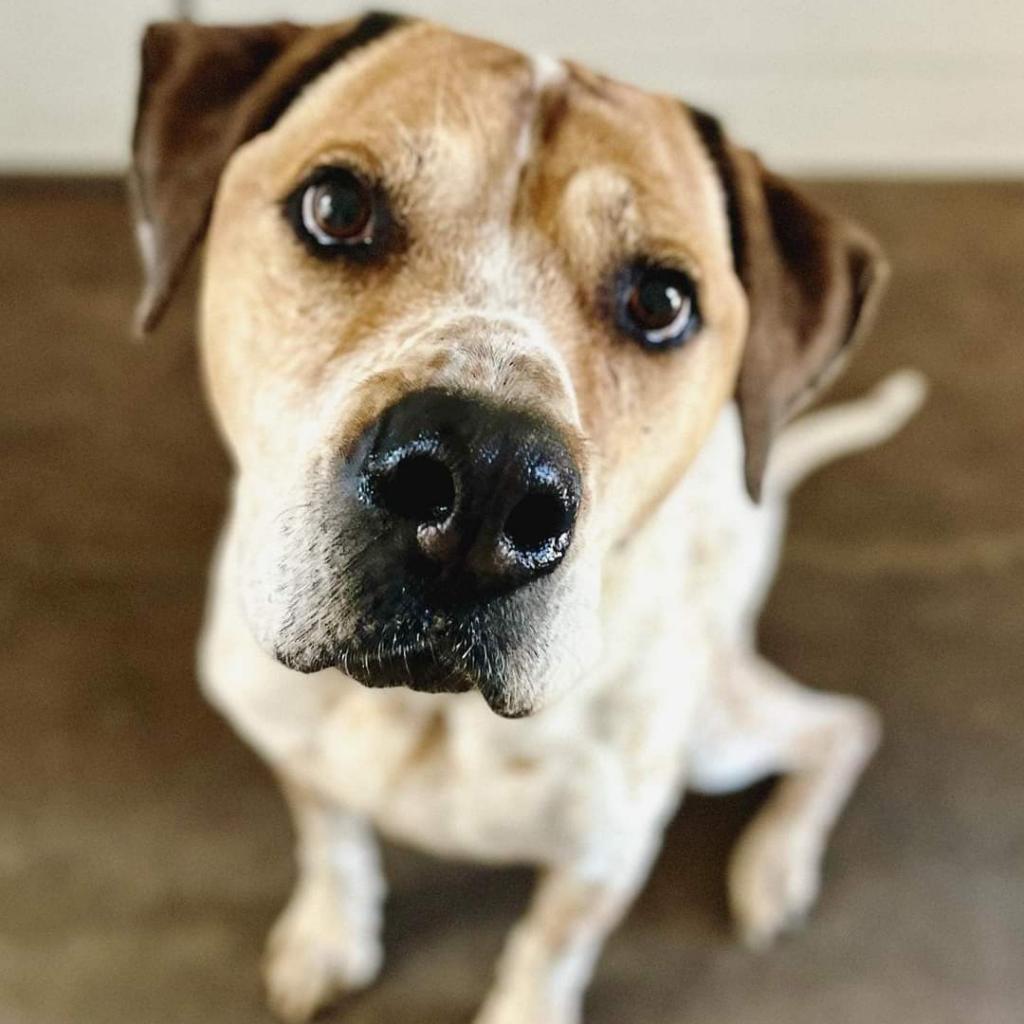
(660, 307)
(337, 209)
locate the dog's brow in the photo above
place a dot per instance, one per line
(553, 110)
(547, 98)
(371, 26)
(589, 82)
(554, 98)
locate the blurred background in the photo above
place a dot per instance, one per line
(144, 851)
(833, 86)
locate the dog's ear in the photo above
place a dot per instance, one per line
(812, 281)
(204, 91)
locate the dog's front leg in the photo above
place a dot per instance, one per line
(551, 954)
(327, 941)
(759, 722)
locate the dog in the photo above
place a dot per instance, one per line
(500, 348)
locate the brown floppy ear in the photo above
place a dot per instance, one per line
(813, 281)
(204, 90)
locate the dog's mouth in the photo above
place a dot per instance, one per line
(444, 660)
(431, 643)
(424, 669)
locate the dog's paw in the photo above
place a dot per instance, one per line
(774, 877)
(314, 957)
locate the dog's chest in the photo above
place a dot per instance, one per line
(447, 775)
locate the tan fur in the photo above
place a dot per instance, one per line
(520, 186)
(585, 201)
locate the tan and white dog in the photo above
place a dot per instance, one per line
(499, 348)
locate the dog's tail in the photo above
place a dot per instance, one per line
(814, 440)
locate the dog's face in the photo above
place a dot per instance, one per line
(514, 213)
(467, 316)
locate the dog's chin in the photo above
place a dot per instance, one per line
(425, 672)
(422, 670)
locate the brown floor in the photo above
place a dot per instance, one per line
(144, 851)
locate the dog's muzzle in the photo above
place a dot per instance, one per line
(456, 509)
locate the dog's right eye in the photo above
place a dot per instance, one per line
(336, 212)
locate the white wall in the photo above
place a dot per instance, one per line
(67, 81)
(832, 86)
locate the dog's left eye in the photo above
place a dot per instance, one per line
(658, 306)
(335, 210)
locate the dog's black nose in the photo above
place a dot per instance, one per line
(469, 492)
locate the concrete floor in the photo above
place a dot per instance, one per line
(144, 851)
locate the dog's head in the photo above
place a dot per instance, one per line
(467, 316)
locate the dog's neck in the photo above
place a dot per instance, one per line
(686, 543)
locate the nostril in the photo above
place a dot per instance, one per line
(420, 488)
(537, 521)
